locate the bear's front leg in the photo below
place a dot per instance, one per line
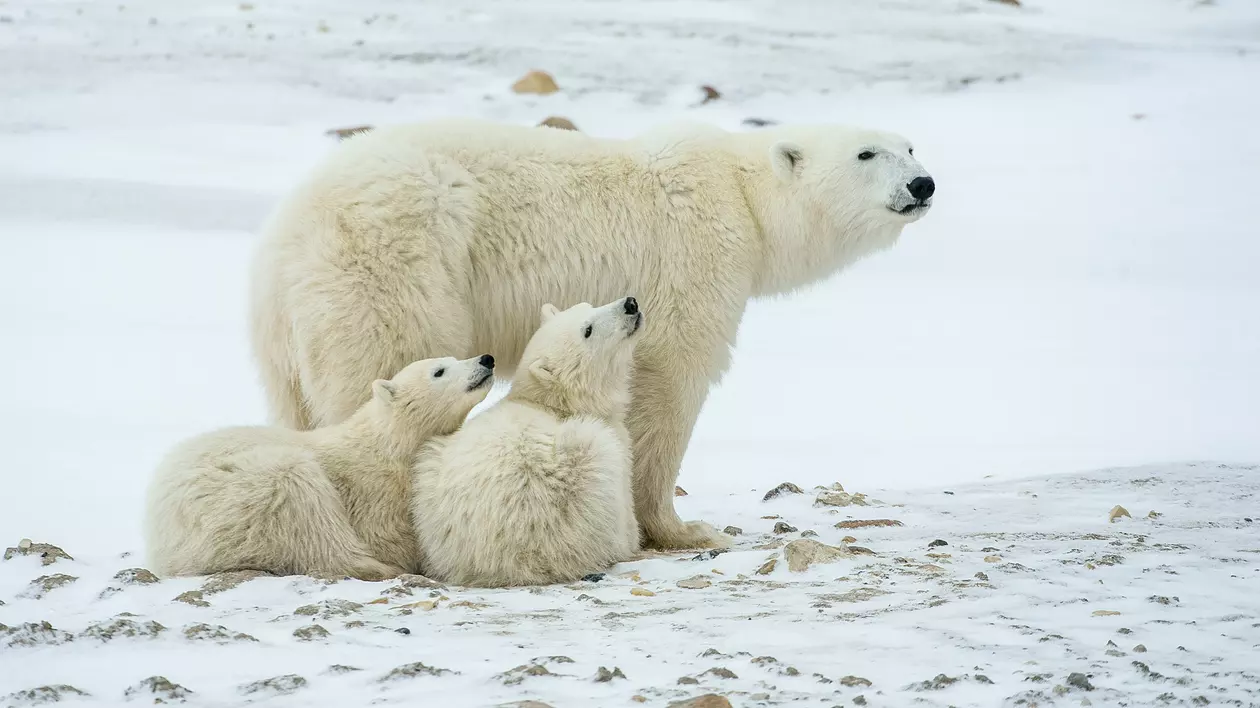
(665, 403)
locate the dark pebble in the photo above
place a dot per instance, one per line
(937, 543)
(593, 577)
(403, 630)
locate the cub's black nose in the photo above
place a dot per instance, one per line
(632, 306)
(487, 361)
(921, 188)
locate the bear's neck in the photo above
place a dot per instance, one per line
(800, 241)
(365, 441)
(609, 407)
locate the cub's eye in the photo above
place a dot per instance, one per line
(438, 374)
(587, 333)
(865, 155)
(911, 151)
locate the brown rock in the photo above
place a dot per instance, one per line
(833, 498)
(852, 681)
(708, 700)
(220, 582)
(1013, 3)
(680, 492)
(192, 597)
(696, 582)
(804, 552)
(785, 488)
(710, 94)
(539, 82)
(45, 584)
(311, 633)
(1116, 512)
(642, 592)
(784, 527)
(732, 531)
(46, 552)
(866, 523)
(561, 123)
(343, 133)
(135, 576)
(768, 567)
(848, 539)
(603, 675)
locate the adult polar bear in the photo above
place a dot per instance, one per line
(446, 238)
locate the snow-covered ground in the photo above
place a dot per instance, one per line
(1084, 295)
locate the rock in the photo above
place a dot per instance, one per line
(157, 689)
(409, 582)
(1013, 3)
(410, 671)
(867, 523)
(785, 488)
(764, 660)
(784, 527)
(859, 700)
(708, 700)
(45, 584)
(710, 554)
(982, 576)
(201, 632)
(641, 592)
(695, 582)
(804, 552)
(42, 695)
(538, 82)
(679, 491)
(759, 122)
(603, 675)
(854, 681)
(338, 669)
(1117, 512)
(831, 498)
(135, 576)
(192, 597)
(848, 539)
(1163, 599)
(1104, 613)
(515, 676)
(276, 685)
(46, 552)
(938, 543)
(221, 582)
(940, 682)
(593, 577)
(405, 631)
(768, 567)
(809, 533)
(732, 531)
(1139, 649)
(688, 681)
(992, 559)
(1081, 681)
(770, 545)
(559, 122)
(327, 609)
(32, 634)
(1152, 514)
(314, 632)
(710, 94)
(121, 627)
(720, 672)
(343, 133)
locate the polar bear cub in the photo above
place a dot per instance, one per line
(334, 500)
(537, 489)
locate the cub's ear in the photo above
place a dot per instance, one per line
(542, 371)
(384, 391)
(787, 159)
(548, 311)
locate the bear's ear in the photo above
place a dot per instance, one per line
(542, 370)
(384, 391)
(548, 311)
(787, 159)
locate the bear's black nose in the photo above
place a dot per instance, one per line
(921, 188)
(632, 306)
(487, 361)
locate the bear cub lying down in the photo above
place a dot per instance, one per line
(335, 500)
(537, 489)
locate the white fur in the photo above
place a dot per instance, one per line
(334, 500)
(536, 490)
(449, 236)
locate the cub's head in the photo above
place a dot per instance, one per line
(579, 360)
(433, 396)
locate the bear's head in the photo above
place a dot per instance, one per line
(432, 396)
(836, 194)
(579, 360)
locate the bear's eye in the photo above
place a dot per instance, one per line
(865, 155)
(911, 151)
(438, 374)
(587, 333)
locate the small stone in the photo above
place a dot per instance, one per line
(696, 582)
(327, 609)
(1012, 3)
(1104, 613)
(848, 539)
(537, 82)
(158, 689)
(981, 678)
(770, 545)
(311, 633)
(992, 559)
(938, 543)
(688, 681)
(566, 124)
(1124, 630)
(1152, 514)
(831, 498)
(338, 669)
(1163, 599)
(46, 552)
(1079, 680)
(201, 632)
(854, 681)
(1139, 649)
(1117, 512)
(859, 700)
(638, 699)
(759, 122)
(732, 531)
(403, 631)
(516, 675)
(277, 685)
(135, 576)
(767, 567)
(603, 675)
(192, 597)
(708, 700)
(720, 672)
(981, 576)
(409, 671)
(593, 577)
(710, 554)
(784, 527)
(866, 523)
(940, 682)
(45, 584)
(802, 553)
(785, 488)
(221, 582)
(42, 695)
(710, 94)
(679, 491)
(122, 627)
(809, 533)
(33, 634)
(642, 592)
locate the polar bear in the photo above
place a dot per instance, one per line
(536, 489)
(449, 236)
(334, 500)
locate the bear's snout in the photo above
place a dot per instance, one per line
(487, 361)
(632, 306)
(922, 188)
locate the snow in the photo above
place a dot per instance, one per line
(1084, 296)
